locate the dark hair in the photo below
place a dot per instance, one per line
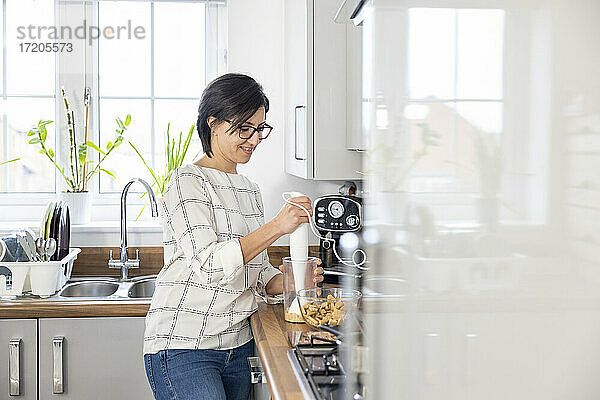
(233, 97)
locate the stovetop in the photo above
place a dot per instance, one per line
(319, 371)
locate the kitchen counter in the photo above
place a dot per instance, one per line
(66, 308)
(268, 325)
(270, 335)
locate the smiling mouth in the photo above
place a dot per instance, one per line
(247, 150)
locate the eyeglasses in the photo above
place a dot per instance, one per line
(246, 132)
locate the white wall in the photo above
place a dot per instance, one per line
(255, 36)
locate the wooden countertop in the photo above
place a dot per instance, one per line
(66, 308)
(270, 334)
(268, 326)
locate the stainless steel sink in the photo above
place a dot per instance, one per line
(89, 289)
(107, 288)
(142, 289)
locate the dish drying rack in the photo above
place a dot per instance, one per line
(42, 278)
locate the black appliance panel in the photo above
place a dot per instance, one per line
(337, 214)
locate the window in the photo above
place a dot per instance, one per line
(455, 95)
(27, 93)
(157, 76)
(157, 80)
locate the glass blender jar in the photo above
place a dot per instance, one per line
(296, 275)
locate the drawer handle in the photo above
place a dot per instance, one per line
(57, 377)
(14, 367)
(256, 371)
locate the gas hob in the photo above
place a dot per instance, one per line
(319, 371)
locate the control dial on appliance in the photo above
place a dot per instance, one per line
(352, 221)
(336, 209)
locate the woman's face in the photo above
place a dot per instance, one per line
(228, 145)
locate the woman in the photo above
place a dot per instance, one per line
(198, 336)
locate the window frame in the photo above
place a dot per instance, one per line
(106, 205)
(18, 197)
(516, 18)
(455, 99)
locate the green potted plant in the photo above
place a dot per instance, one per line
(81, 167)
(175, 151)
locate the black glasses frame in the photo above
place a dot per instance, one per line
(262, 127)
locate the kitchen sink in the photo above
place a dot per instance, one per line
(89, 289)
(142, 289)
(106, 288)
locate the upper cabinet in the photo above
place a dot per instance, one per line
(321, 93)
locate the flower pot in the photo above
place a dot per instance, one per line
(79, 206)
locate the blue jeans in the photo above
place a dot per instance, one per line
(200, 374)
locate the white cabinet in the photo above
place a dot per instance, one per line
(92, 359)
(319, 122)
(18, 355)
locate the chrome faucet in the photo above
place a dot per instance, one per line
(124, 262)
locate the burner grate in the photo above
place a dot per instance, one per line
(319, 368)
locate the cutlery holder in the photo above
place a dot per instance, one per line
(45, 278)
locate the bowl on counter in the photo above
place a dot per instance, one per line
(327, 306)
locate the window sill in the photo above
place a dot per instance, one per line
(115, 226)
(101, 233)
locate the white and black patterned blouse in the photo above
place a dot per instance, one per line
(205, 293)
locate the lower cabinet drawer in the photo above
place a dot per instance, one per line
(18, 355)
(92, 358)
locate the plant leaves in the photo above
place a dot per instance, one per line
(128, 119)
(42, 151)
(171, 165)
(141, 211)
(34, 141)
(144, 161)
(31, 132)
(109, 145)
(93, 146)
(186, 145)
(82, 151)
(44, 135)
(168, 148)
(108, 172)
(9, 161)
(70, 183)
(51, 152)
(120, 123)
(177, 154)
(118, 141)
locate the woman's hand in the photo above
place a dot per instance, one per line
(275, 285)
(318, 272)
(290, 216)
